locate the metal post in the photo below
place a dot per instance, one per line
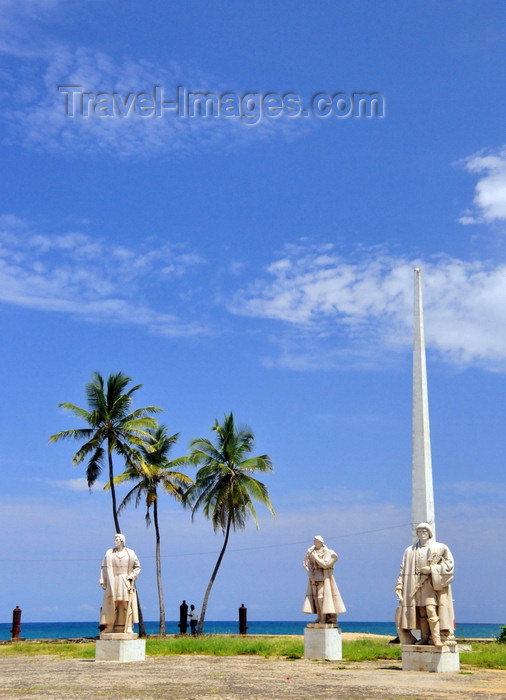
(183, 617)
(16, 622)
(243, 619)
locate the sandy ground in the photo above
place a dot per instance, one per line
(237, 678)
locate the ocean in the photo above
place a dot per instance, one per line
(71, 630)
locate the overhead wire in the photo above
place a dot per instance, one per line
(230, 549)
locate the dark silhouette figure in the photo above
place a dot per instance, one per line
(194, 618)
(183, 617)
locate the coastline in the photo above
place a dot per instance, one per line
(89, 629)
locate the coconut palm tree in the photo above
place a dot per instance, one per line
(152, 470)
(113, 427)
(224, 486)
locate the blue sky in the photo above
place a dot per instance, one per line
(260, 268)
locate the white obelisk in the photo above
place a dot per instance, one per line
(422, 498)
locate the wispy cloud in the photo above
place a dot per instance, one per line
(362, 303)
(93, 278)
(22, 25)
(474, 491)
(35, 111)
(320, 308)
(490, 190)
(78, 484)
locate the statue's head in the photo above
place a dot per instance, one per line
(119, 538)
(421, 527)
(318, 541)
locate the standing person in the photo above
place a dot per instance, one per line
(120, 569)
(322, 595)
(424, 593)
(194, 618)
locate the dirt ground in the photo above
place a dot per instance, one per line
(237, 678)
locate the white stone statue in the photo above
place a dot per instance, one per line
(118, 574)
(424, 593)
(322, 595)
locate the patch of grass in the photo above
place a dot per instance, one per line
(485, 655)
(370, 650)
(64, 650)
(225, 645)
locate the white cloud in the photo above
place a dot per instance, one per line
(354, 307)
(23, 23)
(490, 191)
(39, 120)
(474, 491)
(78, 484)
(91, 277)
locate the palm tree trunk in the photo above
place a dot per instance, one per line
(113, 493)
(159, 570)
(142, 628)
(213, 576)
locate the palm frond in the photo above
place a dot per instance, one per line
(129, 496)
(141, 426)
(111, 421)
(72, 434)
(95, 465)
(85, 449)
(143, 412)
(76, 410)
(224, 487)
(256, 464)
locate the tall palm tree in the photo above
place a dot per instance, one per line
(111, 424)
(152, 470)
(224, 487)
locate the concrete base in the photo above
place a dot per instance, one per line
(428, 658)
(123, 650)
(118, 635)
(323, 642)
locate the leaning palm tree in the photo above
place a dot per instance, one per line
(152, 470)
(111, 424)
(224, 486)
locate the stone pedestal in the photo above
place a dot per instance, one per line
(323, 642)
(120, 646)
(428, 658)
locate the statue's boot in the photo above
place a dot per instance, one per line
(434, 630)
(424, 631)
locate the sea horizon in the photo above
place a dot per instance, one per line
(89, 629)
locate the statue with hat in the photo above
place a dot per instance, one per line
(424, 592)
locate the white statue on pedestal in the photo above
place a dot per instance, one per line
(119, 571)
(424, 592)
(322, 595)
